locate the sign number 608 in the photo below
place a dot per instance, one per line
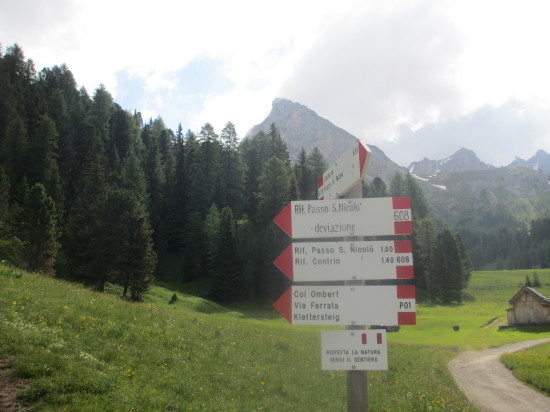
(401, 215)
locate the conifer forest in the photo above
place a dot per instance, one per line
(92, 193)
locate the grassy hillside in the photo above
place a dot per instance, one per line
(478, 200)
(531, 366)
(483, 310)
(85, 351)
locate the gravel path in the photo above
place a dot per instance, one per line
(491, 386)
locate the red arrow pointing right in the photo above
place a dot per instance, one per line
(362, 158)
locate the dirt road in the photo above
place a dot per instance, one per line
(492, 387)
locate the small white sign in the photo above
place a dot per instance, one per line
(344, 174)
(354, 350)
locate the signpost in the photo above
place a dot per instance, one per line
(348, 305)
(350, 260)
(347, 260)
(321, 219)
(354, 350)
(344, 174)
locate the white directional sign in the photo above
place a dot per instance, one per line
(349, 305)
(361, 260)
(346, 217)
(354, 350)
(344, 174)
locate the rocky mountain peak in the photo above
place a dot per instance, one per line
(540, 161)
(462, 161)
(302, 127)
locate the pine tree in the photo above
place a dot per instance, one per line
(127, 230)
(419, 205)
(13, 147)
(194, 257)
(156, 180)
(120, 141)
(232, 171)
(179, 197)
(377, 188)
(101, 112)
(42, 159)
(317, 165)
(397, 186)
(10, 246)
(303, 178)
(194, 173)
(210, 230)
(226, 275)
(424, 255)
(274, 189)
(83, 240)
(294, 193)
(4, 197)
(252, 173)
(276, 146)
(449, 279)
(37, 228)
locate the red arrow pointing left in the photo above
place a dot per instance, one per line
(284, 305)
(284, 262)
(284, 219)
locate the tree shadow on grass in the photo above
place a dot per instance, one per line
(527, 329)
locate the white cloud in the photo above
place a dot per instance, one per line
(504, 54)
(497, 134)
(382, 68)
(374, 68)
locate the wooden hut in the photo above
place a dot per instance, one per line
(529, 307)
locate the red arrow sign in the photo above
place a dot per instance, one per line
(312, 219)
(360, 260)
(348, 305)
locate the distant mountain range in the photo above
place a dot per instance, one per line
(540, 161)
(462, 161)
(466, 160)
(461, 189)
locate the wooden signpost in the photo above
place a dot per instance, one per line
(336, 253)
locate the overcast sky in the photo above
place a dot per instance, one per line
(416, 78)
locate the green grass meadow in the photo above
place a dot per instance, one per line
(84, 351)
(531, 366)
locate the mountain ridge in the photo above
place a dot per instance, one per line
(461, 189)
(461, 161)
(539, 161)
(302, 127)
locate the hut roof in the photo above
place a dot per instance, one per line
(542, 299)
